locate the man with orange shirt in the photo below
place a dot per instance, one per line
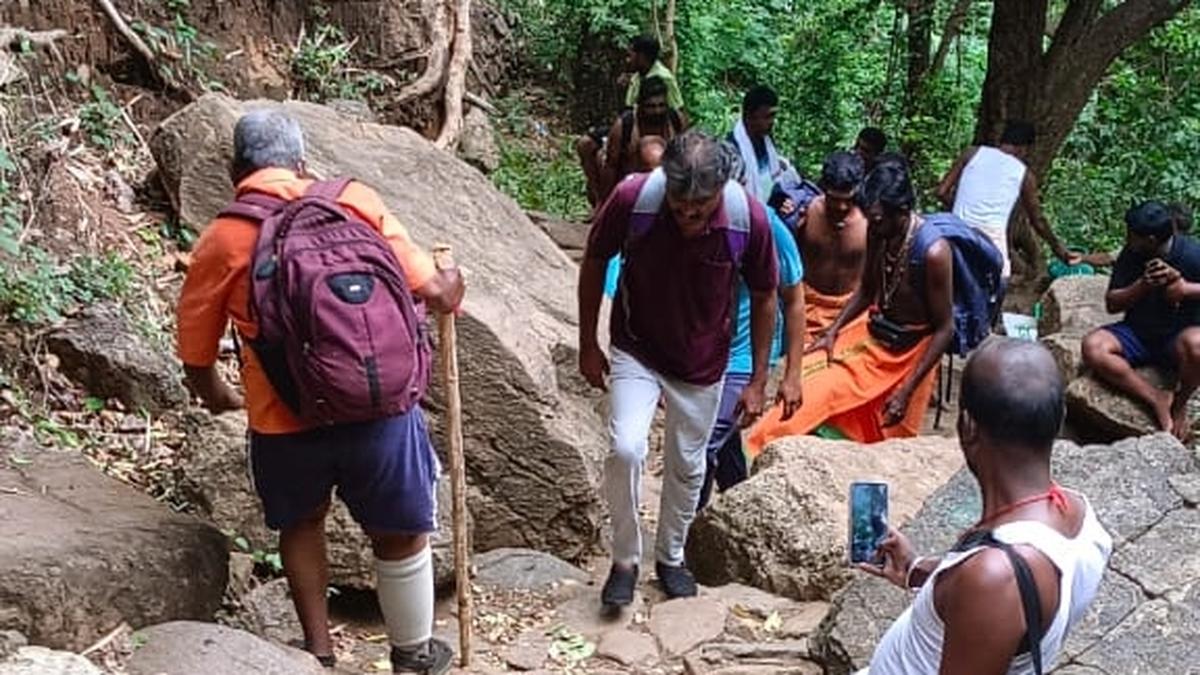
(385, 470)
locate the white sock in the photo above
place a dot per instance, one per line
(405, 590)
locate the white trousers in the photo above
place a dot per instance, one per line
(691, 412)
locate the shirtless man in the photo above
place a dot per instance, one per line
(872, 374)
(636, 139)
(833, 239)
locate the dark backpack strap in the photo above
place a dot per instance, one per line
(254, 206)
(328, 189)
(1031, 602)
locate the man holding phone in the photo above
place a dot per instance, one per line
(1156, 282)
(1038, 549)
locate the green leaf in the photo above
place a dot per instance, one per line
(93, 404)
(241, 543)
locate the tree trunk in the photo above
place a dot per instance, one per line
(669, 42)
(456, 79)
(920, 37)
(1050, 87)
(435, 67)
(950, 33)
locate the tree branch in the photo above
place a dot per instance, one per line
(126, 32)
(1103, 40)
(954, 24)
(435, 68)
(456, 80)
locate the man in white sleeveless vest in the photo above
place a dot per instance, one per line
(969, 612)
(986, 183)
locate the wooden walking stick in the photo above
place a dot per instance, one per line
(448, 354)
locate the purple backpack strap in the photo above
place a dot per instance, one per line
(328, 189)
(735, 201)
(254, 206)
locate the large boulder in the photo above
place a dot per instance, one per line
(83, 552)
(1098, 412)
(785, 529)
(102, 350)
(213, 459)
(43, 661)
(1075, 306)
(478, 146)
(189, 647)
(1146, 616)
(533, 436)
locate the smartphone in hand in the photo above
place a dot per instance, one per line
(868, 520)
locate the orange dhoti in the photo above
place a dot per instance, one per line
(850, 392)
(820, 311)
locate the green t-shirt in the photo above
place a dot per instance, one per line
(674, 98)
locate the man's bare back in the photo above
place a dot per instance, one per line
(833, 256)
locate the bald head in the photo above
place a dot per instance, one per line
(1013, 391)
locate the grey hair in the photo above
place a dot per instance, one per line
(697, 165)
(264, 138)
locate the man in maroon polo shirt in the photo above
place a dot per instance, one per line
(685, 231)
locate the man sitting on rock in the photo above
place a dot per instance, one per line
(871, 375)
(833, 237)
(687, 233)
(1038, 550)
(385, 470)
(1156, 282)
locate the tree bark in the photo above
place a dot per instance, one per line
(456, 79)
(1050, 87)
(920, 37)
(669, 42)
(950, 33)
(432, 77)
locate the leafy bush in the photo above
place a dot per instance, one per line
(38, 289)
(100, 119)
(1138, 139)
(323, 67)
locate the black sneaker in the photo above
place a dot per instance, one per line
(432, 658)
(676, 580)
(618, 589)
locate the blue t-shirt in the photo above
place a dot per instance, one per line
(791, 272)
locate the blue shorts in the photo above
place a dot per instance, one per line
(1142, 351)
(385, 471)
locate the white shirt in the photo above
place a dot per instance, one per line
(987, 192)
(913, 644)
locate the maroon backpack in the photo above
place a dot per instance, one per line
(340, 336)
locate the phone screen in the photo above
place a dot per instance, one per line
(868, 520)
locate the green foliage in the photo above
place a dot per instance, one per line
(186, 55)
(539, 174)
(10, 207)
(839, 65)
(37, 289)
(323, 67)
(100, 119)
(271, 559)
(1138, 139)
